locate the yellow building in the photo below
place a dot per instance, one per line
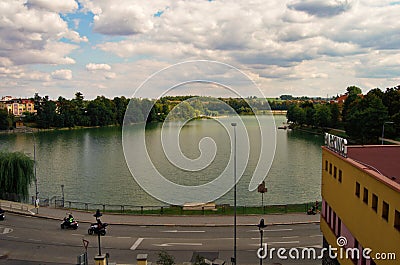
(17, 106)
(361, 202)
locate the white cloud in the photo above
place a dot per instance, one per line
(94, 67)
(62, 74)
(59, 6)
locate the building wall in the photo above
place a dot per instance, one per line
(359, 222)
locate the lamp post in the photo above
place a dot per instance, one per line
(383, 129)
(98, 215)
(34, 162)
(261, 225)
(62, 193)
(234, 192)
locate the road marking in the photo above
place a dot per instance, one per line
(35, 240)
(124, 237)
(77, 234)
(177, 244)
(6, 230)
(137, 243)
(12, 236)
(316, 236)
(273, 230)
(177, 231)
(284, 242)
(287, 237)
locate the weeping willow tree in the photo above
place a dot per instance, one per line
(16, 174)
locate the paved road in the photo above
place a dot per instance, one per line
(38, 240)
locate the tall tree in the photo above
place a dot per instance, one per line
(5, 120)
(365, 119)
(16, 174)
(46, 113)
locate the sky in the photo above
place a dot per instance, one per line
(110, 47)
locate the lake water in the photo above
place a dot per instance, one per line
(90, 163)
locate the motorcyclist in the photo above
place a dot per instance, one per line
(70, 218)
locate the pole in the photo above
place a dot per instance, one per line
(383, 129)
(261, 242)
(36, 185)
(234, 193)
(98, 236)
(62, 193)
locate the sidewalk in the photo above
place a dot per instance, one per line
(163, 220)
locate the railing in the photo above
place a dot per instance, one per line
(224, 209)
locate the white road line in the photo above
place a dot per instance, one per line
(316, 236)
(77, 234)
(137, 243)
(284, 242)
(177, 244)
(35, 240)
(273, 230)
(124, 237)
(287, 237)
(12, 236)
(177, 231)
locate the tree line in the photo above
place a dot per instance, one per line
(102, 111)
(361, 116)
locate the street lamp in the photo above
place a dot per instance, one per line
(34, 162)
(234, 192)
(383, 129)
(97, 215)
(261, 225)
(62, 193)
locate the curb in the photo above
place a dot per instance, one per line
(169, 224)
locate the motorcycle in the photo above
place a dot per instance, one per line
(67, 224)
(2, 216)
(96, 229)
(311, 211)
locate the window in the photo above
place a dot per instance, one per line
(365, 197)
(340, 176)
(339, 232)
(330, 168)
(374, 202)
(334, 172)
(358, 189)
(326, 165)
(385, 210)
(397, 220)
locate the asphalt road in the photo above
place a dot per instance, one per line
(30, 240)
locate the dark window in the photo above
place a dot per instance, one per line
(397, 220)
(334, 172)
(365, 197)
(339, 231)
(326, 165)
(374, 202)
(334, 223)
(340, 176)
(385, 210)
(330, 168)
(358, 189)
(372, 262)
(325, 209)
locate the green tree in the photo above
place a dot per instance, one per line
(335, 115)
(322, 116)
(46, 113)
(165, 259)
(365, 118)
(352, 95)
(5, 120)
(16, 173)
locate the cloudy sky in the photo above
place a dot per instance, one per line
(109, 47)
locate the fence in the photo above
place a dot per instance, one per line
(179, 210)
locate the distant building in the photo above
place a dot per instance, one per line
(361, 200)
(17, 106)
